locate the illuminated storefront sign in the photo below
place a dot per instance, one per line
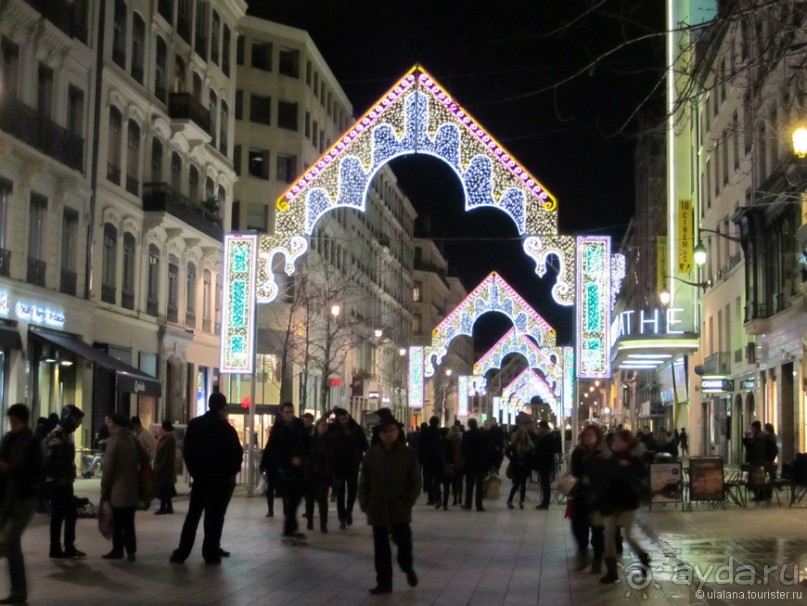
(748, 384)
(717, 384)
(631, 323)
(36, 314)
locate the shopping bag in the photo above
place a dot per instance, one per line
(566, 484)
(105, 519)
(493, 487)
(261, 487)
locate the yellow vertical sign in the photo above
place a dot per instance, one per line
(661, 262)
(685, 236)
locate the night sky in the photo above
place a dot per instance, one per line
(500, 61)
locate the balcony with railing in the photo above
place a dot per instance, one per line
(5, 262)
(160, 197)
(36, 271)
(63, 15)
(190, 319)
(132, 185)
(173, 313)
(108, 293)
(68, 281)
(152, 307)
(183, 106)
(719, 363)
(42, 133)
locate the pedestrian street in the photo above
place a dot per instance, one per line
(499, 556)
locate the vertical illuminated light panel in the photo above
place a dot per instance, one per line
(416, 377)
(568, 381)
(238, 305)
(462, 396)
(497, 409)
(593, 307)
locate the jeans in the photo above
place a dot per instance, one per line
(212, 500)
(15, 519)
(580, 521)
(546, 485)
(123, 530)
(402, 537)
(344, 507)
(166, 493)
(474, 479)
(317, 492)
(291, 483)
(63, 509)
(519, 483)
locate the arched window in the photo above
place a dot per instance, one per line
(222, 199)
(213, 113)
(224, 126)
(190, 296)
(108, 264)
(225, 50)
(179, 75)
(176, 172)
(133, 159)
(193, 183)
(114, 145)
(156, 160)
(138, 47)
(210, 192)
(173, 288)
(128, 271)
(153, 287)
(207, 293)
(214, 38)
(119, 34)
(197, 87)
(161, 70)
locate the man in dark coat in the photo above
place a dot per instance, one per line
(348, 445)
(497, 444)
(476, 451)
(60, 473)
(288, 448)
(388, 489)
(21, 471)
(544, 461)
(213, 455)
(429, 459)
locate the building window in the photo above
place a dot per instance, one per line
(133, 159)
(215, 26)
(69, 250)
(224, 128)
(225, 50)
(289, 62)
(213, 102)
(262, 56)
(239, 104)
(286, 168)
(44, 98)
(119, 34)
(11, 66)
(114, 145)
(307, 125)
(176, 172)
(417, 324)
(128, 284)
(193, 183)
(201, 29)
(173, 287)
(237, 159)
(308, 72)
(166, 9)
(207, 287)
(239, 50)
(257, 216)
(417, 292)
(184, 16)
(6, 188)
(259, 163)
(259, 109)
(75, 111)
(197, 86)
(138, 47)
(153, 286)
(37, 226)
(108, 264)
(287, 115)
(160, 71)
(190, 290)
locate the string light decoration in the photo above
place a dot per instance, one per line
(416, 381)
(618, 273)
(540, 359)
(593, 307)
(568, 381)
(416, 115)
(238, 304)
(493, 294)
(462, 395)
(527, 385)
(540, 248)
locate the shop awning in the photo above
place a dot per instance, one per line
(127, 378)
(10, 337)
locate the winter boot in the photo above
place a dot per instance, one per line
(509, 504)
(644, 558)
(611, 575)
(581, 560)
(596, 563)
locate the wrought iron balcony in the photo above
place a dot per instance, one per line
(159, 197)
(152, 307)
(68, 281)
(108, 293)
(127, 299)
(183, 106)
(36, 271)
(42, 133)
(5, 262)
(755, 311)
(63, 15)
(173, 313)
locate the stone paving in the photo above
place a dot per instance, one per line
(493, 557)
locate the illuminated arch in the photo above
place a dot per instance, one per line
(537, 358)
(417, 115)
(527, 385)
(493, 294)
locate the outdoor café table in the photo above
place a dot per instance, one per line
(733, 485)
